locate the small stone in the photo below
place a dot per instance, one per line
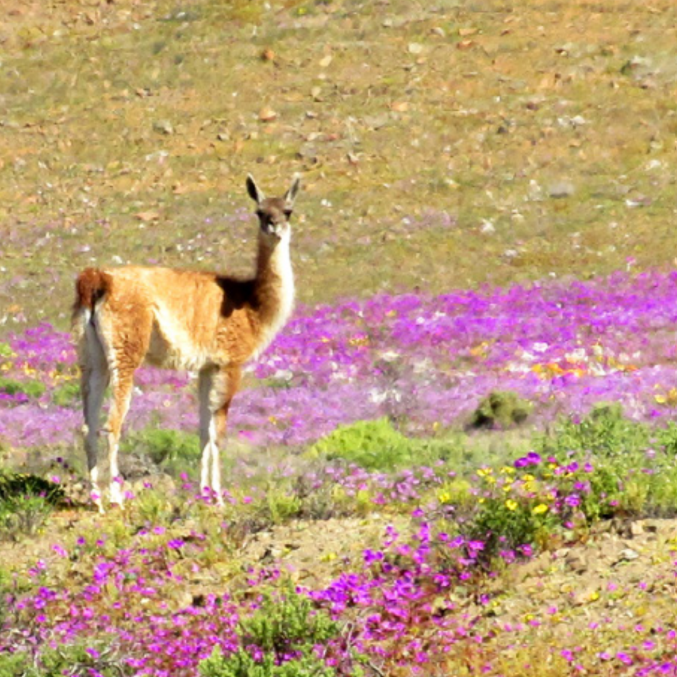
(628, 555)
(636, 529)
(267, 114)
(561, 189)
(163, 126)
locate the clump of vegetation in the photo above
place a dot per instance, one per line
(500, 409)
(604, 431)
(168, 449)
(279, 639)
(76, 660)
(374, 445)
(13, 485)
(23, 515)
(31, 389)
(26, 501)
(634, 470)
(66, 395)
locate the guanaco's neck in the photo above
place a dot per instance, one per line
(274, 282)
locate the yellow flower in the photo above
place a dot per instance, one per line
(507, 470)
(483, 472)
(540, 509)
(510, 504)
(444, 497)
(359, 341)
(507, 487)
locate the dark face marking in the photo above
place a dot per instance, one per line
(274, 215)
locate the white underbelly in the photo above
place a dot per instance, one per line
(181, 353)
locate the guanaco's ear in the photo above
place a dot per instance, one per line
(253, 190)
(290, 195)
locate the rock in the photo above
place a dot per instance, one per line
(561, 189)
(636, 529)
(163, 127)
(627, 555)
(267, 114)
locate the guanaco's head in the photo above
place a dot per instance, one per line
(274, 212)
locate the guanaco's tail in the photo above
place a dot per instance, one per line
(92, 285)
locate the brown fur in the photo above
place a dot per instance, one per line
(90, 286)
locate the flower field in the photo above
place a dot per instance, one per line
(426, 361)
(458, 458)
(167, 588)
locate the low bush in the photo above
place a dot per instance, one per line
(173, 450)
(66, 395)
(74, 660)
(500, 409)
(286, 636)
(28, 389)
(373, 445)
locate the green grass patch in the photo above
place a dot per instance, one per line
(32, 389)
(66, 395)
(84, 658)
(174, 451)
(374, 445)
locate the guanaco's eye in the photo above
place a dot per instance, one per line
(287, 213)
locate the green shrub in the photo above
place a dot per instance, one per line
(74, 660)
(241, 664)
(14, 485)
(374, 445)
(66, 395)
(604, 431)
(16, 664)
(500, 409)
(633, 465)
(506, 524)
(26, 501)
(282, 625)
(279, 505)
(23, 515)
(166, 447)
(32, 389)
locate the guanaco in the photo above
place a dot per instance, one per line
(180, 319)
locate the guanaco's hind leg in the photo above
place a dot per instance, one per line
(122, 342)
(122, 383)
(94, 378)
(126, 349)
(217, 387)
